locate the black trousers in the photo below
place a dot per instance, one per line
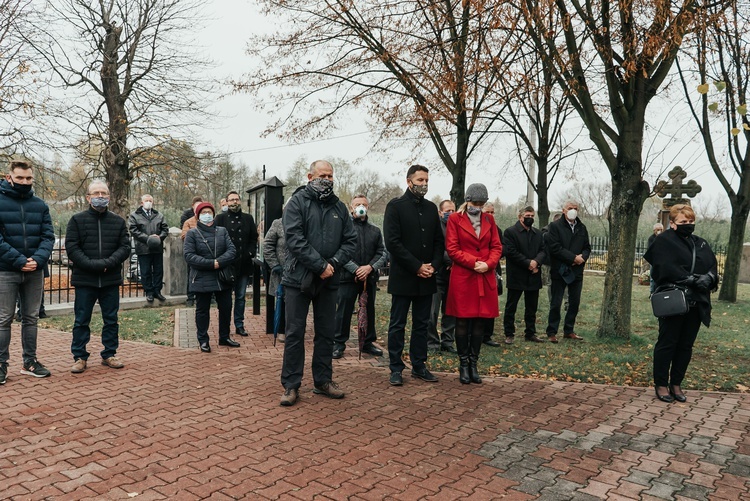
(324, 320)
(347, 297)
(203, 313)
(152, 272)
(674, 348)
(558, 286)
(531, 303)
(420, 319)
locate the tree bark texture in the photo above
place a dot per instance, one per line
(740, 212)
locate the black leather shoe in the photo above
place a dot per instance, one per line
(664, 398)
(149, 298)
(205, 348)
(534, 339)
(337, 353)
(241, 332)
(229, 342)
(677, 395)
(160, 296)
(396, 379)
(372, 350)
(42, 313)
(492, 343)
(424, 375)
(448, 349)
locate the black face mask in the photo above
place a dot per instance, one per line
(22, 188)
(685, 230)
(528, 222)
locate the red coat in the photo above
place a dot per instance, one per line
(472, 294)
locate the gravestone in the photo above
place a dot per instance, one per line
(676, 191)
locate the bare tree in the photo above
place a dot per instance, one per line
(411, 65)
(130, 70)
(720, 55)
(610, 59)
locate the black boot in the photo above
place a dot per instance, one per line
(476, 345)
(462, 346)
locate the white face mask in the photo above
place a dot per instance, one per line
(360, 211)
(148, 205)
(572, 214)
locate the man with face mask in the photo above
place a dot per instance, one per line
(244, 235)
(523, 249)
(568, 247)
(149, 230)
(358, 275)
(97, 244)
(26, 242)
(320, 239)
(415, 243)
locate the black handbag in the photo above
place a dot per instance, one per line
(226, 274)
(670, 300)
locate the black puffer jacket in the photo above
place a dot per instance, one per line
(370, 250)
(204, 245)
(317, 233)
(97, 244)
(25, 229)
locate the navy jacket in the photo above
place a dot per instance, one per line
(204, 245)
(520, 246)
(97, 244)
(25, 229)
(563, 245)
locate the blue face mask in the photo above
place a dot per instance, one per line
(206, 218)
(99, 202)
(446, 215)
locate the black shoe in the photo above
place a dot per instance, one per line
(229, 342)
(190, 303)
(43, 314)
(664, 398)
(492, 343)
(240, 331)
(396, 379)
(205, 348)
(424, 375)
(534, 339)
(18, 316)
(677, 395)
(372, 350)
(160, 296)
(448, 349)
(150, 298)
(337, 353)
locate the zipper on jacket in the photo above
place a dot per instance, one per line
(23, 225)
(99, 222)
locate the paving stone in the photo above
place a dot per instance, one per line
(640, 477)
(516, 473)
(698, 492)
(547, 474)
(737, 469)
(717, 459)
(672, 479)
(531, 485)
(564, 487)
(660, 490)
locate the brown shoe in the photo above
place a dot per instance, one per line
(508, 339)
(329, 389)
(112, 362)
(534, 339)
(280, 338)
(79, 366)
(573, 335)
(289, 397)
(552, 339)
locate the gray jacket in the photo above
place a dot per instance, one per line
(274, 255)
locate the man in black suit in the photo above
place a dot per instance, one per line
(523, 249)
(415, 242)
(568, 247)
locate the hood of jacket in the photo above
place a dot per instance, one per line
(9, 190)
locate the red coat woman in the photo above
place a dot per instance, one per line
(473, 244)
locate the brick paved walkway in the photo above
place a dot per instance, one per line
(178, 424)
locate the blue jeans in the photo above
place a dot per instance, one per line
(240, 288)
(109, 302)
(152, 272)
(30, 286)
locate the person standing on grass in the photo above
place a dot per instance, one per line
(415, 243)
(97, 244)
(149, 230)
(26, 242)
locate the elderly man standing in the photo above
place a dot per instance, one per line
(149, 230)
(97, 244)
(568, 246)
(26, 242)
(320, 239)
(415, 242)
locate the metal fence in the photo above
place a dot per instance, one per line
(57, 287)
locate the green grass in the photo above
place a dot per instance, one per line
(720, 355)
(147, 325)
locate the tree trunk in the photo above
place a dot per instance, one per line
(629, 191)
(740, 211)
(542, 192)
(458, 187)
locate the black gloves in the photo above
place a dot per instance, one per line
(277, 269)
(703, 283)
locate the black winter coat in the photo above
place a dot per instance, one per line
(520, 247)
(317, 233)
(97, 244)
(204, 245)
(413, 237)
(671, 257)
(563, 245)
(370, 250)
(186, 214)
(141, 227)
(245, 241)
(25, 229)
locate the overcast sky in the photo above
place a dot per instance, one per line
(224, 37)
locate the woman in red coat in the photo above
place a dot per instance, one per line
(473, 243)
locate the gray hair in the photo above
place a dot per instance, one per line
(97, 182)
(143, 197)
(314, 165)
(571, 201)
(528, 208)
(658, 226)
(488, 205)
